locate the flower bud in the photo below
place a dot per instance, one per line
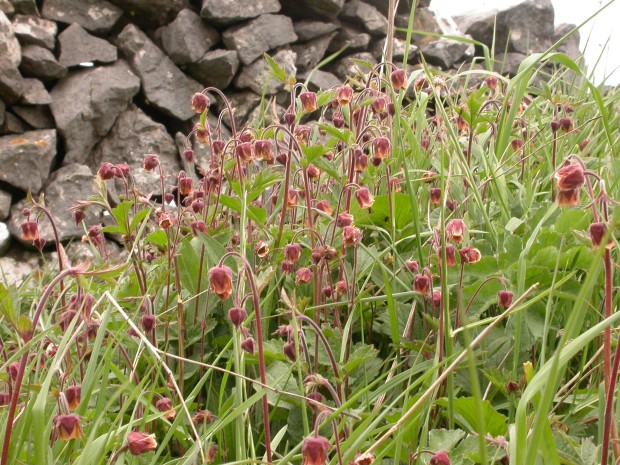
(491, 82)
(186, 185)
(324, 206)
(289, 118)
(247, 345)
(314, 450)
(106, 171)
(30, 230)
(220, 279)
(78, 216)
(237, 316)
(504, 298)
(344, 219)
(379, 106)
(139, 443)
(189, 156)
(597, 233)
(412, 266)
(338, 121)
(148, 322)
(292, 252)
(440, 458)
(198, 227)
(200, 102)
(289, 351)
(450, 254)
(39, 243)
(203, 416)
(5, 399)
(151, 161)
(73, 395)
(292, 198)
(164, 405)
(341, 287)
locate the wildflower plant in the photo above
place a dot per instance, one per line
(383, 273)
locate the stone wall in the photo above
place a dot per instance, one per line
(86, 81)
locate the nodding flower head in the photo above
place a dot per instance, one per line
(345, 94)
(440, 458)
(151, 161)
(504, 298)
(73, 394)
(200, 102)
(292, 252)
(351, 236)
(165, 406)
(30, 230)
(140, 443)
(314, 450)
(263, 149)
(303, 276)
(220, 279)
(308, 101)
(364, 198)
(68, 427)
(382, 147)
(399, 79)
(570, 179)
(470, 254)
(455, 230)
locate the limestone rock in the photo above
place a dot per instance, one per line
(163, 83)
(134, 135)
(367, 15)
(312, 52)
(11, 84)
(18, 265)
(319, 9)
(242, 103)
(13, 124)
(224, 12)
(31, 30)
(308, 29)
(39, 116)
(40, 62)
(78, 46)
(216, 68)
(571, 45)
(257, 76)
(5, 239)
(65, 187)
(187, 38)
(25, 7)
(87, 102)
(7, 7)
(10, 51)
(5, 204)
(321, 80)
(508, 63)
(151, 14)
(258, 36)
(97, 16)
(35, 93)
(27, 158)
(446, 52)
(352, 65)
(351, 38)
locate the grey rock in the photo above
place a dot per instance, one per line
(65, 187)
(187, 38)
(271, 113)
(310, 54)
(308, 29)
(10, 51)
(97, 16)
(34, 93)
(424, 20)
(242, 103)
(41, 63)
(321, 80)
(319, 9)
(27, 158)
(508, 63)
(87, 102)
(164, 85)
(404, 6)
(224, 12)
(353, 65)
(5, 204)
(6, 7)
(2, 112)
(25, 7)
(11, 84)
(134, 135)
(5, 238)
(78, 46)
(258, 75)
(151, 13)
(367, 15)
(571, 45)
(350, 38)
(13, 124)
(32, 30)
(18, 266)
(523, 28)
(398, 51)
(39, 117)
(258, 36)
(216, 68)
(446, 52)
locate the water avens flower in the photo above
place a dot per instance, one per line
(220, 279)
(140, 443)
(314, 450)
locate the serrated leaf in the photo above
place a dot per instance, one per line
(444, 439)
(121, 215)
(465, 413)
(276, 70)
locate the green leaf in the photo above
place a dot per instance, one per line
(7, 307)
(572, 219)
(138, 218)
(276, 70)
(379, 213)
(254, 213)
(121, 215)
(443, 439)
(465, 415)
